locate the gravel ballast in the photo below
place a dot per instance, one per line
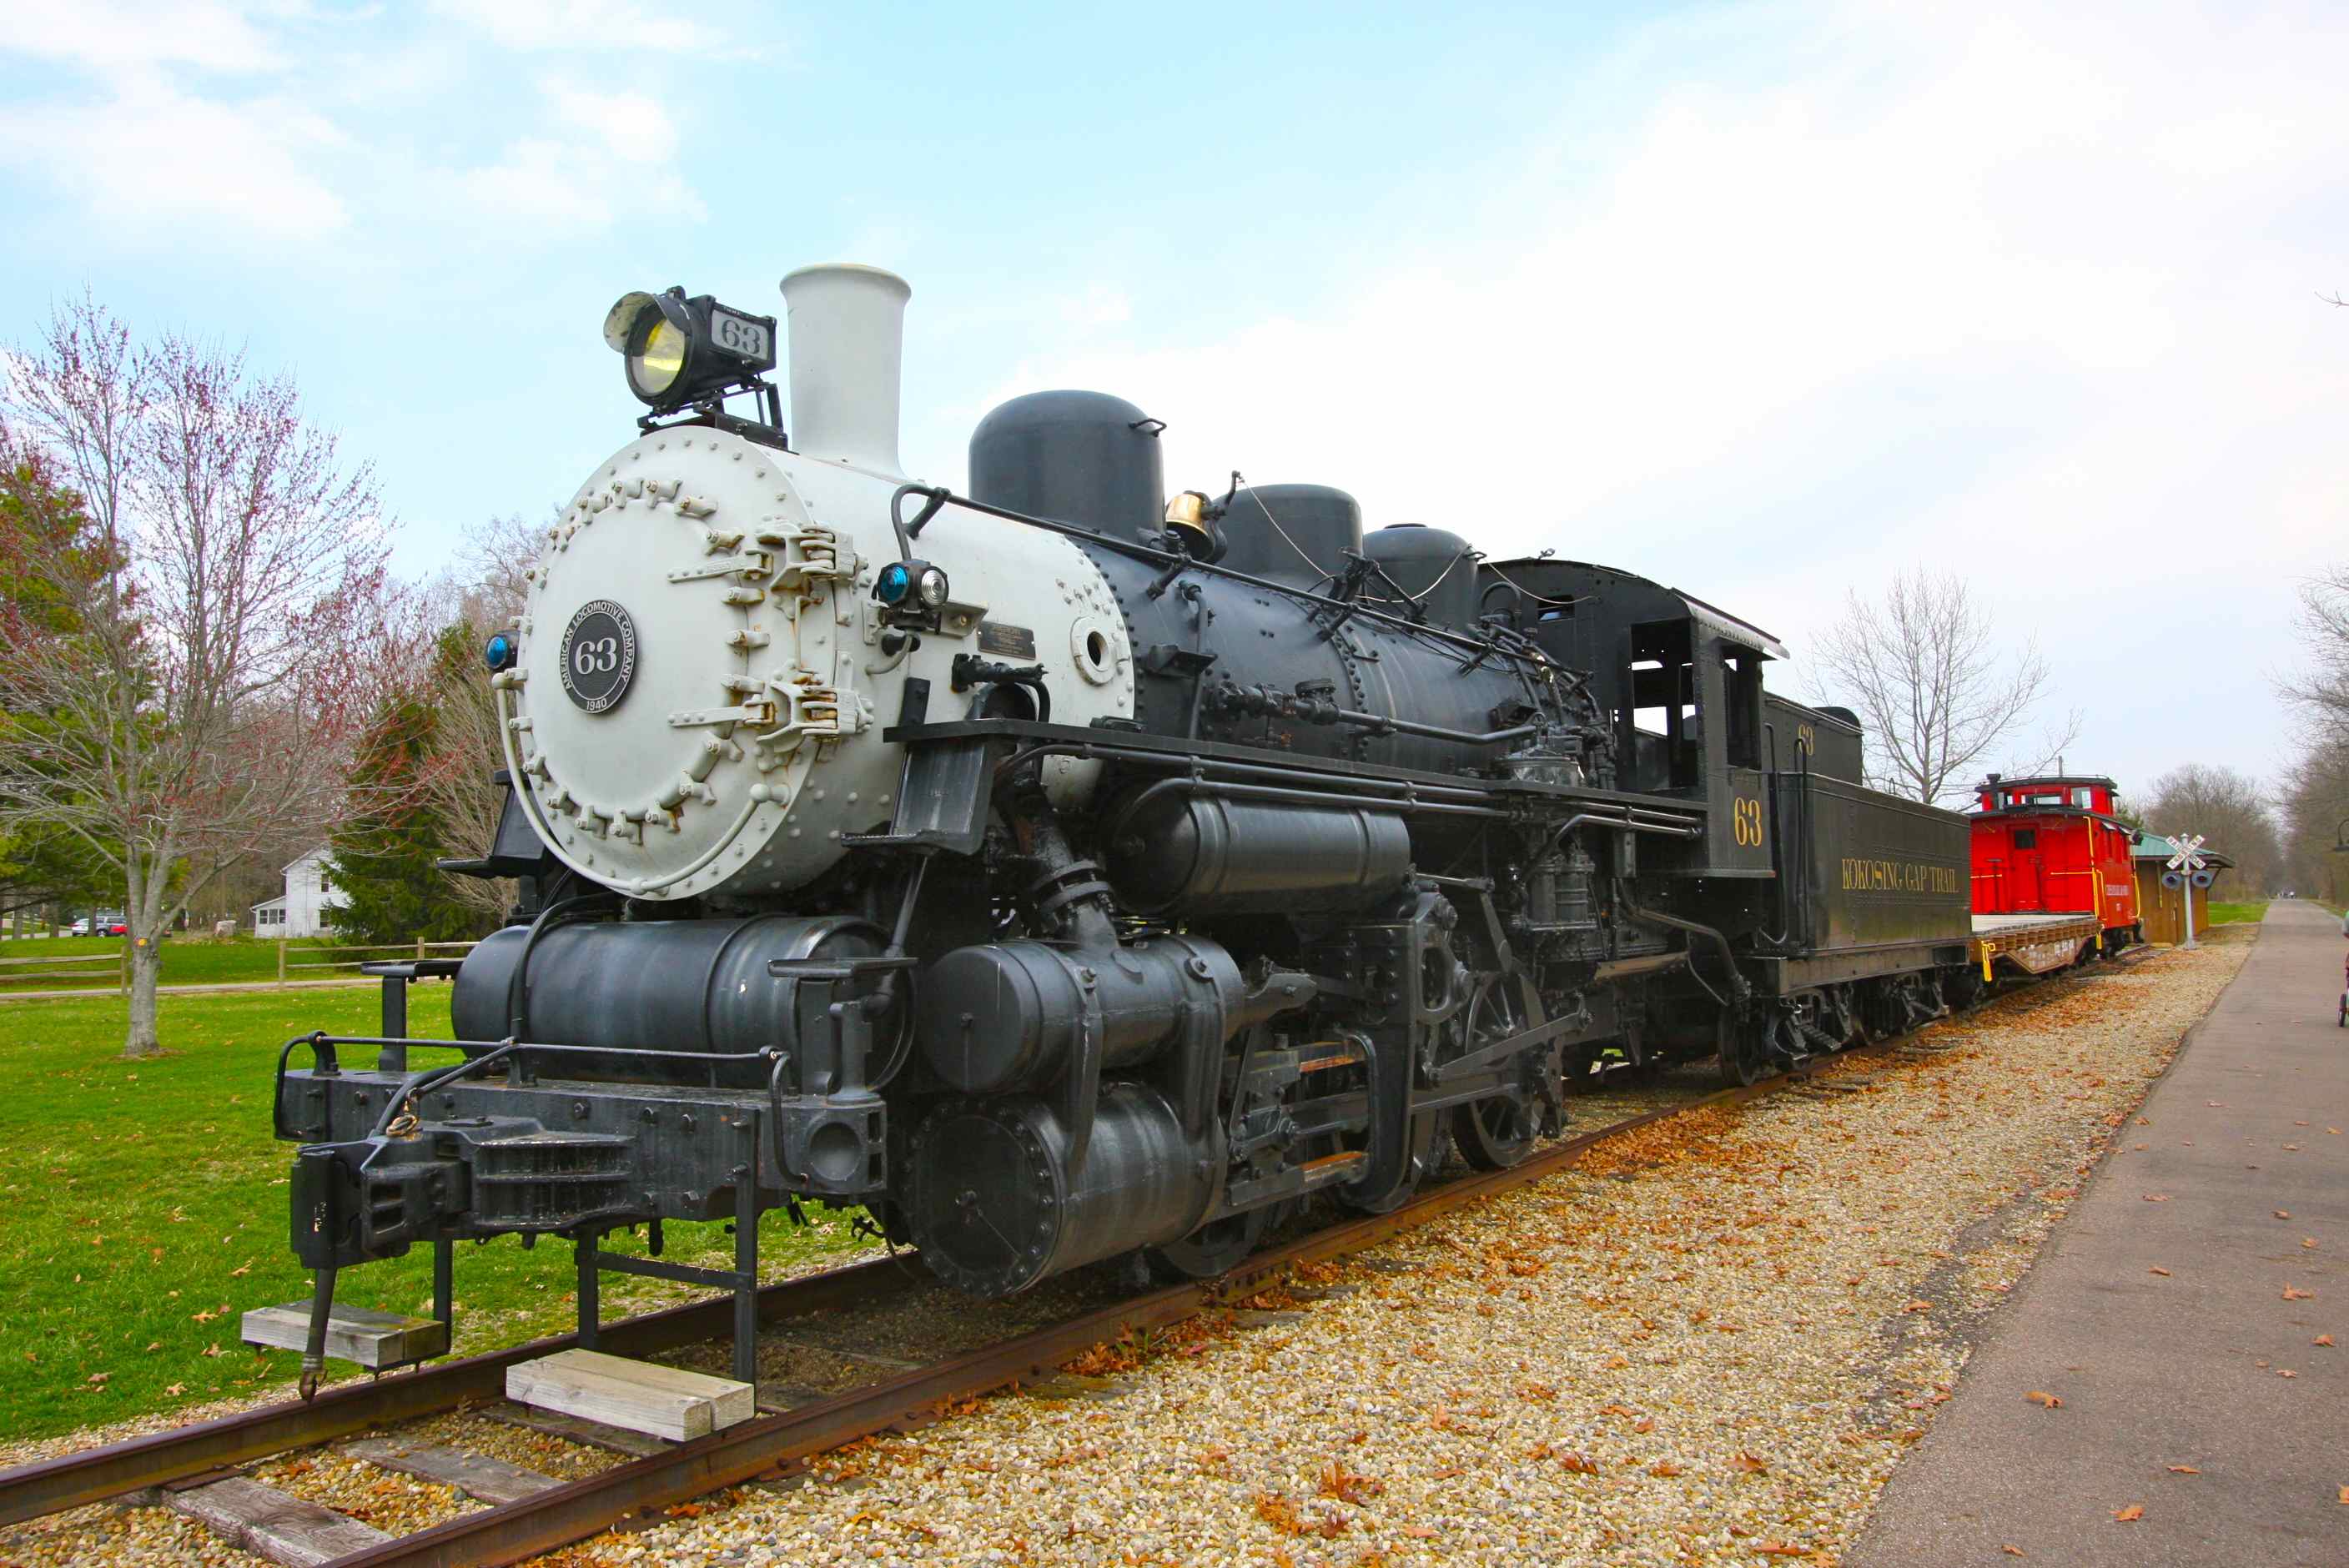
(1709, 1342)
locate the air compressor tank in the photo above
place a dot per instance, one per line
(1291, 533)
(1432, 565)
(1082, 458)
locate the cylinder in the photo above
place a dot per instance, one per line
(994, 1207)
(1007, 1016)
(669, 984)
(848, 332)
(1206, 855)
(1084, 458)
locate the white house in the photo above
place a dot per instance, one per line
(301, 910)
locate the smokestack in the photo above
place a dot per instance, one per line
(848, 336)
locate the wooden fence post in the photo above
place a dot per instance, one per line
(420, 949)
(281, 961)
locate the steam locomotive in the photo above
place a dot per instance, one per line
(1061, 872)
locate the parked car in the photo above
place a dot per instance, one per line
(81, 927)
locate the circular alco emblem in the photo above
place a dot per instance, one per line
(599, 655)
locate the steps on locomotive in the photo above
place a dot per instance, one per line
(636, 1396)
(375, 1340)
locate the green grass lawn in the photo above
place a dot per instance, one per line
(147, 1210)
(2255, 909)
(187, 961)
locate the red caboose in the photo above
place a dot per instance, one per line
(2053, 846)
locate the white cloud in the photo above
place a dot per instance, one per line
(635, 128)
(552, 185)
(229, 124)
(110, 37)
(153, 156)
(2026, 296)
(548, 26)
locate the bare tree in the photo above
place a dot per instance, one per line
(459, 788)
(2316, 797)
(2228, 809)
(2321, 692)
(228, 627)
(1918, 662)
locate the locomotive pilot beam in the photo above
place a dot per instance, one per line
(1067, 876)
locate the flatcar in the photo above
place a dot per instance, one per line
(1068, 872)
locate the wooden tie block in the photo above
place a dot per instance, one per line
(636, 1394)
(476, 1475)
(274, 1524)
(358, 1333)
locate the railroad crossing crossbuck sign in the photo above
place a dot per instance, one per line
(2187, 866)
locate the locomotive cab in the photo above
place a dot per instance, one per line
(1680, 683)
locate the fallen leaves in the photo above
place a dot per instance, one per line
(98, 1380)
(1348, 1486)
(1918, 1306)
(2283, 1213)
(2293, 1292)
(2308, 1241)
(1578, 1463)
(1280, 1513)
(175, 1390)
(212, 1350)
(2041, 1397)
(2157, 1197)
(1664, 1468)
(2159, 1270)
(2324, 1339)
(2128, 1515)
(2014, 1552)
(2184, 1470)
(1746, 1464)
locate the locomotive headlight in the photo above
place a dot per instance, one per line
(654, 367)
(930, 588)
(679, 350)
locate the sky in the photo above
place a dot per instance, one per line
(1769, 302)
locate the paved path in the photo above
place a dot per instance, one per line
(2188, 1368)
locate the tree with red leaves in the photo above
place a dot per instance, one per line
(226, 627)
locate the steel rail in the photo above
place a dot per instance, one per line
(93, 1475)
(577, 1510)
